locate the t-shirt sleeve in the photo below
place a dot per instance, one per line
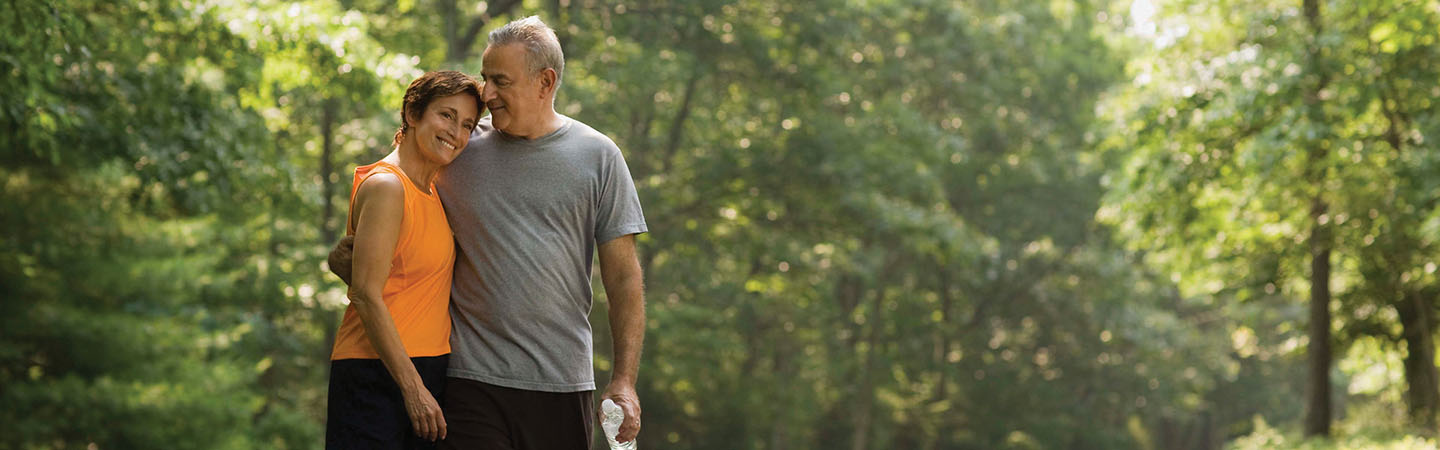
(618, 210)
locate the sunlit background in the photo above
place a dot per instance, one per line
(875, 224)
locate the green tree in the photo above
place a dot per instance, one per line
(122, 158)
(167, 189)
(1241, 121)
(863, 237)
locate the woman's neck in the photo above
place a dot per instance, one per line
(420, 170)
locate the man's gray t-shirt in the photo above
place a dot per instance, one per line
(527, 216)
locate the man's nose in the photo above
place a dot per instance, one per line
(486, 93)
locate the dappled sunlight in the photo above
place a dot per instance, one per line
(1000, 224)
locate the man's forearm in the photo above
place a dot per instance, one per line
(627, 326)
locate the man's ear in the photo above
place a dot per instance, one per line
(548, 79)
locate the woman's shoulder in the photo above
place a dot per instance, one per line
(383, 184)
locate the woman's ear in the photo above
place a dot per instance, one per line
(411, 117)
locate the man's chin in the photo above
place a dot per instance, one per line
(502, 123)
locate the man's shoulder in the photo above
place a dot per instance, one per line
(583, 135)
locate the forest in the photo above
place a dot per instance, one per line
(874, 224)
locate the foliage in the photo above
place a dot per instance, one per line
(1266, 437)
(922, 224)
(1234, 131)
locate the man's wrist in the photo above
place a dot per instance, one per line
(622, 382)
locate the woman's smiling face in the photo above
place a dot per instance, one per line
(442, 131)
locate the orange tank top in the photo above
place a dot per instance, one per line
(417, 292)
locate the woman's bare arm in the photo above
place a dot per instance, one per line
(379, 205)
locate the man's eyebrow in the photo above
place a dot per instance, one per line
(486, 77)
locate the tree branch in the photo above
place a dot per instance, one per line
(678, 124)
(461, 46)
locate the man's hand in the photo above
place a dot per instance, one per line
(624, 396)
(625, 291)
(340, 258)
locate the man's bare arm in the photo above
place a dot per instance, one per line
(341, 257)
(624, 287)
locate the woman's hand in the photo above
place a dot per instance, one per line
(425, 414)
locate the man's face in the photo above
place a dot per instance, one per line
(513, 95)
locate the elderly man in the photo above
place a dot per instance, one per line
(529, 202)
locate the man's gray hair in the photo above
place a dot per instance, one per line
(542, 47)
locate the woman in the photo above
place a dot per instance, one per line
(390, 355)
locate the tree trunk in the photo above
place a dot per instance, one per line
(865, 392)
(942, 336)
(1317, 391)
(450, 26)
(1423, 384)
(784, 366)
(327, 153)
(460, 44)
(677, 125)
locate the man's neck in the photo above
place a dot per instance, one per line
(547, 123)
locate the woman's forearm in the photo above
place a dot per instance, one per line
(385, 338)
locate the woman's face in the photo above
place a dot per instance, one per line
(442, 131)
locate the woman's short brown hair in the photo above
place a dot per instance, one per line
(430, 86)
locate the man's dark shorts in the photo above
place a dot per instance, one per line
(483, 416)
(366, 409)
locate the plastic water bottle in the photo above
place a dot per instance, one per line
(613, 417)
